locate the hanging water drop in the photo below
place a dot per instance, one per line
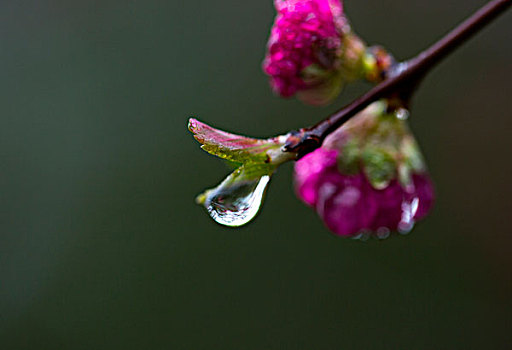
(235, 203)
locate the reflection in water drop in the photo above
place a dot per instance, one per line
(237, 204)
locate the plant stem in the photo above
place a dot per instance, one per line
(402, 81)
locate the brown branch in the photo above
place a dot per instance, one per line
(402, 81)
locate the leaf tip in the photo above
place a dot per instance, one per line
(196, 128)
(192, 124)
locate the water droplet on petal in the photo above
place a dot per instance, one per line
(409, 209)
(383, 232)
(404, 228)
(238, 203)
(363, 235)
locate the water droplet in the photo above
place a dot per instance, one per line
(404, 228)
(383, 232)
(409, 209)
(363, 235)
(236, 203)
(357, 237)
(402, 114)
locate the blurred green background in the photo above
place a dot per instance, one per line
(102, 246)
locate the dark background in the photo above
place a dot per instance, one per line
(102, 246)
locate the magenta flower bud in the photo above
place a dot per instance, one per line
(311, 50)
(368, 178)
(310, 170)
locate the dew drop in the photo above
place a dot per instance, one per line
(362, 235)
(404, 228)
(409, 209)
(383, 232)
(357, 237)
(237, 204)
(402, 114)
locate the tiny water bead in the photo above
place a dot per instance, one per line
(402, 114)
(409, 210)
(383, 232)
(236, 204)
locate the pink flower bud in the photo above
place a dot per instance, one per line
(305, 49)
(355, 189)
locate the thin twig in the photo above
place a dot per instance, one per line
(403, 82)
